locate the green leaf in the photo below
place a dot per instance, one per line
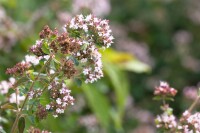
(157, 98)
(124, 60)
(45, 48)
(98, 103)
(21, 125)
(9, 106)
(135, 66)
(31, 118)
(120, 85)
(44, 99)
(74, 60)
(21, 80)
(78, 82)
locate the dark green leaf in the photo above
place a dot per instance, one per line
(21, 80)
(78, 82)
(31, 118)
(21, 125)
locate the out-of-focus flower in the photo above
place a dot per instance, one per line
(164, 90)
(9, 31)
(193, 11)
(143, 129)
(37, 130)
(89, 121)
(190, 92)
(123, 43)
(182, 37)
(190, 123)
(32, 59)
(94, 6)
(6, 85)
(12, 98)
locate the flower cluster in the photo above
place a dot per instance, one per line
(190, 123)
(78, 46)
(166, 120)
(57, 57)
(60, 98)
(34, 93)
(165, 90)
(19, 68)
(99, 28)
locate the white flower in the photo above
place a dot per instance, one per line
(85, 28)
(4, 87)
(51, 71)
(46, 57)
(55, 116)
(83, 60)
(58, 101)
(30, 95)
(86, 71)
(32, 59)
(12, 80)
(48, 106)
(88, 18)
(12, 98)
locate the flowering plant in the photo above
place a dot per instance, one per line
(39, 82)
(168, 122)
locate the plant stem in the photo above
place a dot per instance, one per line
(14, 127)
(51, 79)
(194, 104)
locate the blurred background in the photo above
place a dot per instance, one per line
(154, 40)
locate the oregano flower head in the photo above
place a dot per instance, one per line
(70, 54)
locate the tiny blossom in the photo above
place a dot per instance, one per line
(48, 106)
(58, 101)
(51, 71)
(55, 116)
(83, 60)
(164, 90)
(30, 94)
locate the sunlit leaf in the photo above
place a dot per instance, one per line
(125, 61)
(9, 106)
